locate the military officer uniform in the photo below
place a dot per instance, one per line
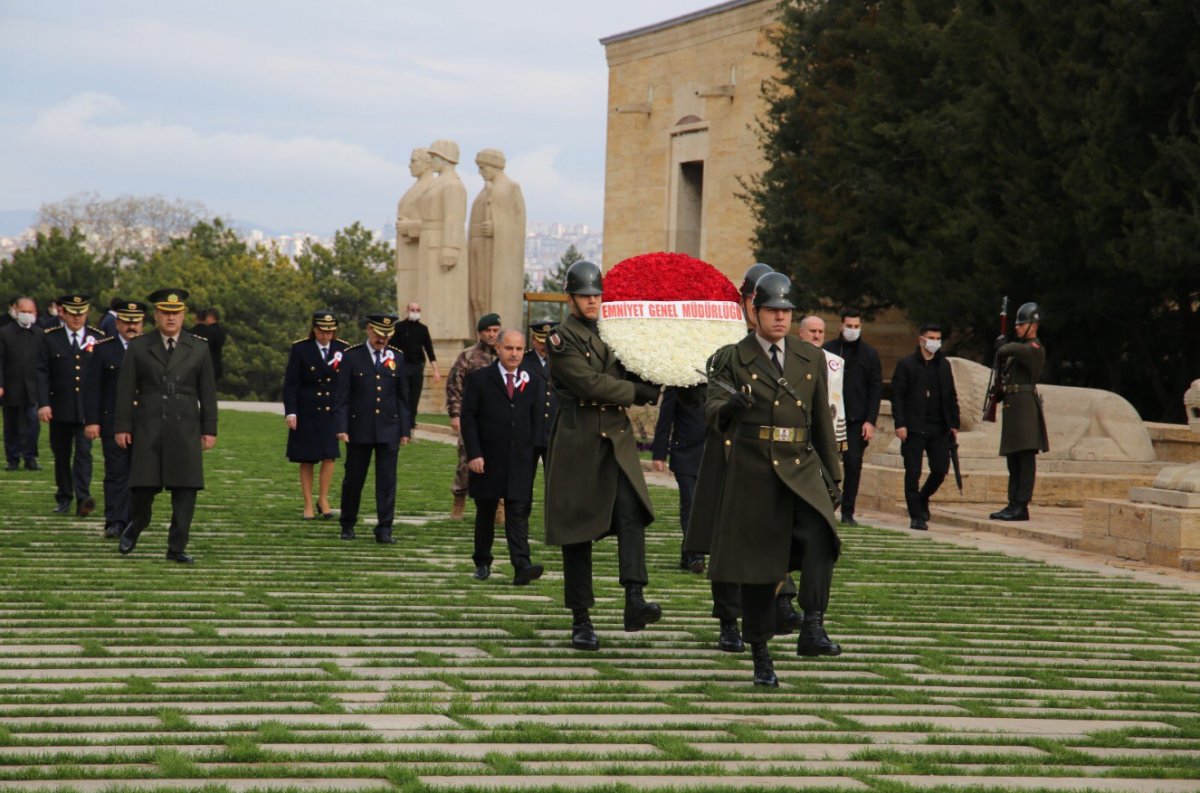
(1023, 432)
(62, 360)
(167, 404)
(594, 481)
(549, 402)
(309, 385)
(371, 411)
(474, 357)
(100, 409)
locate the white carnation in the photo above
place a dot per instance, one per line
(668, 351)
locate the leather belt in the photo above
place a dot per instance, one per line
(780, 434)
(585, 403)
(1020, 389)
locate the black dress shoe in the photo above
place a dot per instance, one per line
(526, 574)
(764, 667)
(85, 507)
(348, 534)
(179, 557)
(918, 523)
(14, 466)
(112, 531)
(696, 565)
(128, 542)
(813, 639)
(385, 539)
(583, 635)
(786, 618)
(62, 507)
(849, 520)
(730, 638)
(482, 572)
(638, 611)
(1003, 513)
(1018, 512)
(32, 465)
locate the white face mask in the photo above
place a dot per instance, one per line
(26, 319)
(414, 315)
(933, 345)
(851, 334)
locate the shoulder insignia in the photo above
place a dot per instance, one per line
(341, 341)
(51, 330)
(1035, 345)
(299, 341)
(95, 330)
(105, 340)
(555, 340)
(356, 346)
(201, 338)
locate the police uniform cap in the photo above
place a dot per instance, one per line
(169, 300)
(540, 330)
(584, 278)
(324, 320)
(75, 303)
(774, 290)
(487, 321)
(383, 324)
(753, 273)
(130, 310)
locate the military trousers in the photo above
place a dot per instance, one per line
(358, 460)
(727, 601)
(183, 507)
(461, 473)
(852, 463)
(629, 525)
(1022, 471)
(72, 475)
(116, 483)
(516, 531)
(813, 552)
(21, 431)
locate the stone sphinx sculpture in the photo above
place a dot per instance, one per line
(408, 229)
(496, 242)
(442, 209)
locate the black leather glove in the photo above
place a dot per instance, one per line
(1001, 340)
(645, 394)
(737, 402)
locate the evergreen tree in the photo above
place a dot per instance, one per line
(553, 282)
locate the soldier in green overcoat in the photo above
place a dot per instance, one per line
(167, 413)
(773, 500)
(1023, 432)
(594, 481)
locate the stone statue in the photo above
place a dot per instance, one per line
(408, 229)
(440, 250)
(1191, 404)
(496, 242)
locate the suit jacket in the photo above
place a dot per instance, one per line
(502, 431)
(100, 385)
(679, 432)
(371, 406)
(19, 349)
(60, 372)
(549, 400)
(909, 400)
(309, 391)
(863, 381)
(167, 402)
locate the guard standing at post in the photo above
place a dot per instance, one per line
(1023, 433)
(594, 481)
(767, 400)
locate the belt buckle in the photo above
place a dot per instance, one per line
(783, 434)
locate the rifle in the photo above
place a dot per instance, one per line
(995, 389)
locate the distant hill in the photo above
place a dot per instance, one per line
(14, 221)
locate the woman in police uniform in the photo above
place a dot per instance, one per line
(308, 391)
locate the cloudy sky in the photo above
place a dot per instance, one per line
(300, 115)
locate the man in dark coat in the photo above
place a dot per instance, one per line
(167, 413)
(108, 323)
(925, 410)
(862, 391)
(1023, 433)
(774, 500)
(208, 327)
(412, 337)
(501, 417)
(20, 343)
(371, 417)
(63, 357)
(537, 359)
(100, 411)
(679, 438)
(594, 481)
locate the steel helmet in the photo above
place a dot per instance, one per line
(774, 290)
(753, 273)
(583, 278)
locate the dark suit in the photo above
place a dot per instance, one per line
(679, 438)
(18, 377)
(502, 431)
(100, 407)
(925, 403)
(862, 392)
(413, 340)
(166, 401)
(309, 386)
(534, 363)
(371, 408)
(60, 387)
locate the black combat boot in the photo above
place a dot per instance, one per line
(638, 612)
(730, 640)
(786, 618)
(1004, 513)
(583, 635)
(813, 639)
(764, 669)
(1016, 511)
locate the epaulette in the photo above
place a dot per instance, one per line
(300, 341)
(394, 347)
(356, 346)
(343, 341)
(56, 327)
(194, 336)
(105, 340)
(96, 330)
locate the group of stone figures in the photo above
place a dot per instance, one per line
(434, 236)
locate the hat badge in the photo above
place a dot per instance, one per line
(329, 318)
(174, 298)
(132, 306)
(77, 299)
(387, 320)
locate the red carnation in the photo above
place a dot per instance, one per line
(667, 276)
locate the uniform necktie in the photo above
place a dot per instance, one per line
(775, 358)
(74, 343)
(170, 347)
(324, 353)
(509, 385)
(378, 359)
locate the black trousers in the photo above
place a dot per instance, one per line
(516, 531)
(21, 430)
(183, 507)
(687, 491)
(414, 381)
(116, 482)
(358, 460)
(936, 446)
(812, 553)
(1022, 471)
(852, 462)
(629, 525)
(72, 477)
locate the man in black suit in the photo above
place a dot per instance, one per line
(20, 342)
(501, 418)
(65, 353)
(412, 337)
(679, 435)
(100, 412)
(538, 360)
(862, 390)
(371, 417)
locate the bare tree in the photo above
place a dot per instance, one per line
(125, 226)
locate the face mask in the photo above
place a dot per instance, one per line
(25, 319)
(414, 315)
(933, 345)
(851, 334)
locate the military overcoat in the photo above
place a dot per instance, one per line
(1024, 423)
(592, 441)
(772, 453)
(167, 402)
